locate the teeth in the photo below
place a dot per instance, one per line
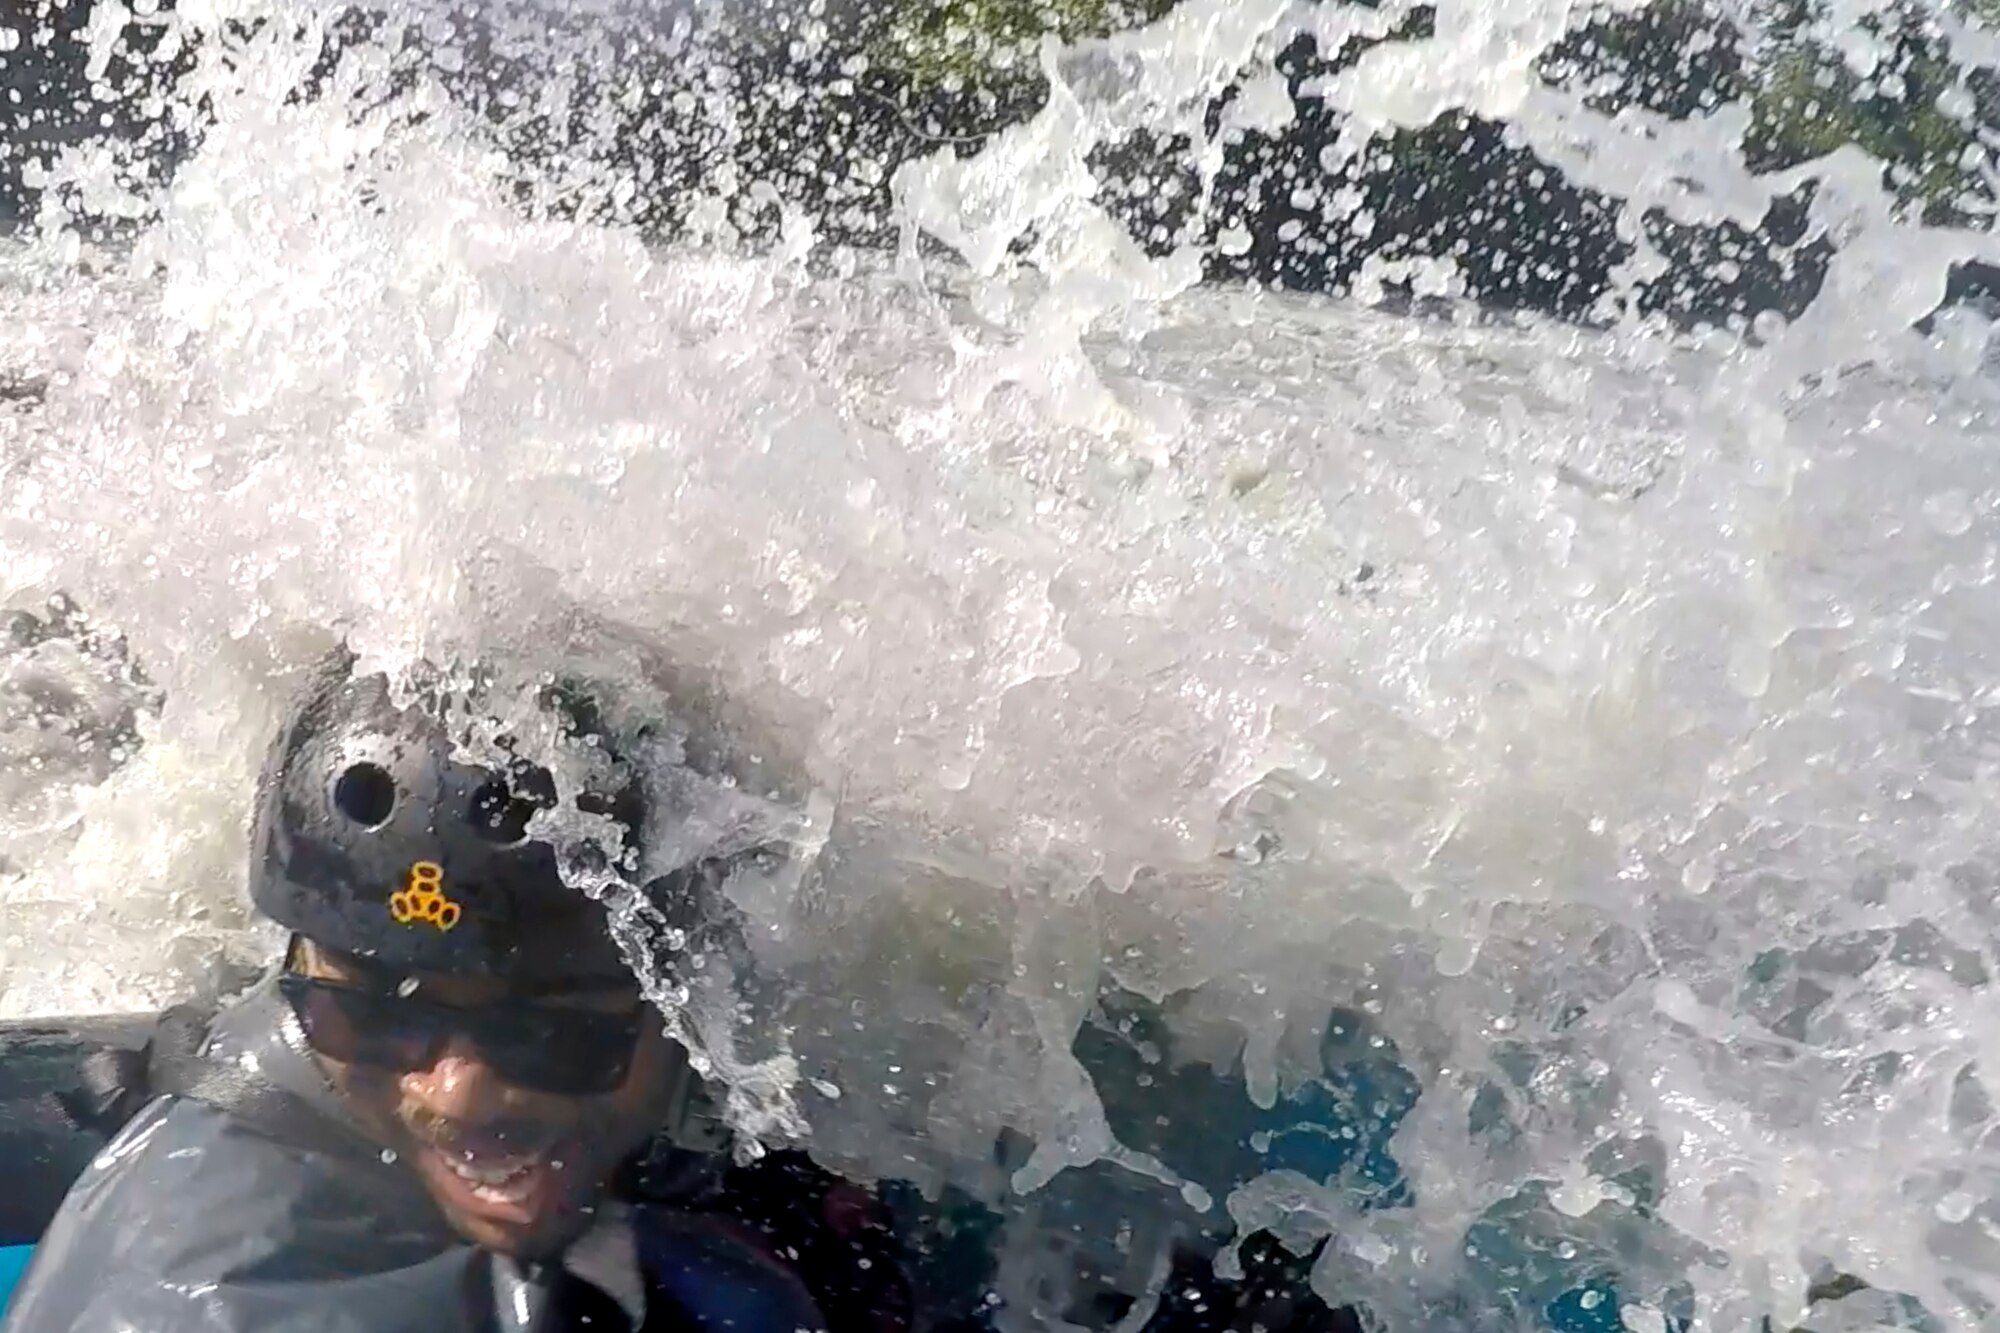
(491, 1175)
(506, 1182)
(505, 1193)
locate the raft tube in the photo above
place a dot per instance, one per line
(41, 1143)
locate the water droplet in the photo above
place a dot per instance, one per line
(1950, 512)
(1642, 1319)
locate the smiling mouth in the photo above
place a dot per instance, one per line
(495, 1182)
(504, 1172)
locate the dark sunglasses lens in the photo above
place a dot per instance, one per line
(572, 1053)
(569, 1052)
(360, 1027)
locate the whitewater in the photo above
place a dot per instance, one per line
(1589, 734)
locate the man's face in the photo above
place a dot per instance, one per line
(514, 1169)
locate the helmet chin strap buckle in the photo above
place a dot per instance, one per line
(521, 1296)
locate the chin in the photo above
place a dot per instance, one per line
(534, 1239)
(543, 1239)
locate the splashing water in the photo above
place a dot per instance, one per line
(1212, 721)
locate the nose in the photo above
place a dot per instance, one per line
(459, 1085)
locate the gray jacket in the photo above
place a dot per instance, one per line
(193, 1219)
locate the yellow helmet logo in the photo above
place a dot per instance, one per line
(423, 900)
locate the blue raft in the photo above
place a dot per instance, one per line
(13, 1260)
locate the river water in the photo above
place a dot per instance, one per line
(1511, 798)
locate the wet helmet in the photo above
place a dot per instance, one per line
(370, 838)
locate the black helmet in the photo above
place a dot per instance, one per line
(370, 838)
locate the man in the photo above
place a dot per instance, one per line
(429, 1117)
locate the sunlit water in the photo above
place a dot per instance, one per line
(1210, 724)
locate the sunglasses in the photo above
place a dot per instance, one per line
(545, 1048)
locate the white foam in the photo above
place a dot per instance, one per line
(1527, 688)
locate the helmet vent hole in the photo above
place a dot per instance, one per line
(499, 816)
(366, 794)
